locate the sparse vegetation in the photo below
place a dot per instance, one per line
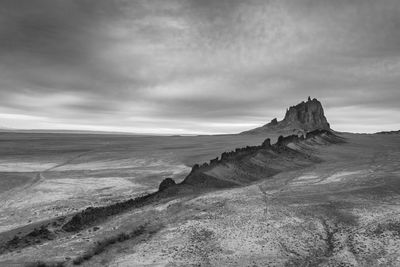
(37, 236)
(102, 245)
(45, 264)
(389, 227)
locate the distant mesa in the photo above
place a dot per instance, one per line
(304, 117)
(389, 132)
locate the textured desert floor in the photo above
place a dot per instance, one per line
(48, 175)
(342, 212)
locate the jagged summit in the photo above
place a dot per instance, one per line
(303, 117)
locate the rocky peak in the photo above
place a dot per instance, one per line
(303, 117)
(307, 116)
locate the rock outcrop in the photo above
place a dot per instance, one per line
(308, 116)
(304, 117)
(248, 164)
(166, 183)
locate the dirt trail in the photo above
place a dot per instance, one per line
(6, 197)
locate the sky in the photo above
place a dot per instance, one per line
(197, 66)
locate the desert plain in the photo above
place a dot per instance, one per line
(342, 210)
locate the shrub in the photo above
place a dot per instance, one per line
(103, 244)
(44, 264)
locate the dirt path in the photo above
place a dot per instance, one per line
(39, 177)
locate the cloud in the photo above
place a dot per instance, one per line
(183, 65)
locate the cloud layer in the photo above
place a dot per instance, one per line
(199, 66)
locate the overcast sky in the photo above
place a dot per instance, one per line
(200, 66)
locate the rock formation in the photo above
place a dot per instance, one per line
(248, 164)
(304, 117)
(166, 183)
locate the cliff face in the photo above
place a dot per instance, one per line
(303, 117)
(308, 116)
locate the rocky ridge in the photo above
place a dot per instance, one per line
(248, 164)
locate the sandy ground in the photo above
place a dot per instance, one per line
(342, 212)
